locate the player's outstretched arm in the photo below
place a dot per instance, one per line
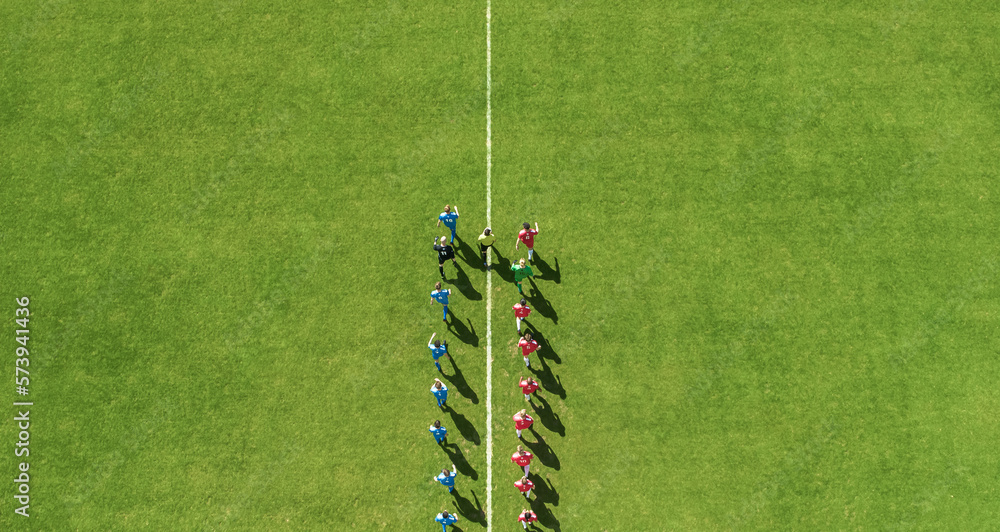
(536, 227)
(456, 211)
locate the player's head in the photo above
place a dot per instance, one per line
(523, 411)
(486, 231)
(444, 240)
(526, 225)
(437, 285)
(447, 208)
(527, 336)
(437, 385)
(521, 262)
(524, 479)
(444, 513)
(445, 472)
(437, 423)
(520, 450)
(523, 302)
(437, 343)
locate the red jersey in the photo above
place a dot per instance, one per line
(527, 516)
(522, 460)
(524, 486)
(522, 423)
(528, 237)
(528, 386)
(527, 347)
(521, 311)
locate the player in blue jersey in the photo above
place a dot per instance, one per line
(450, 219)
(447, 478)
(438, 350)
(446, 519)
(441, 296)
(440, 392)
(440, 433)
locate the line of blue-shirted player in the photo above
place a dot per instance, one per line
(439, 389)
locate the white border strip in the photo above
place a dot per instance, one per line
(489, 290)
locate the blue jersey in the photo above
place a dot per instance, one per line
(450, 520)
(449, 219)
(446, 480)
(438, 352)
(441, 296)
(441, 394)
(439, 432)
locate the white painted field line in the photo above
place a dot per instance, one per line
(489, 291)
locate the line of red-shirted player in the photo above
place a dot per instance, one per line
(522, 420)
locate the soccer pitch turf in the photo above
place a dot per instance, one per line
(767, 262)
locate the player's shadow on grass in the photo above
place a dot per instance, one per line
(542, 450)
(545, 271)
(548, 418)
(544, 346)
(457, 379)
(545, 492)
(467, 429)
(458, 458)
(466, 334)
(503, 269)
(472, 512)
(464, 286)
(469, 255)
(545, 516)
(550, 383)
(540, 304)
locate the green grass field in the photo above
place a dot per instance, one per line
(767, 296)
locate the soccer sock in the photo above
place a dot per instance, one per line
(445, 318)
(530, 253)
(519, 433)
(527, 495)
(526, 470)
(526, 363)
(441, 269)
(438, 365)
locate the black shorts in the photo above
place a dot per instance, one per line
(482, 248)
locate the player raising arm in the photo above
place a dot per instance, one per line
(438, 350)
(527, 235)
(450, 220)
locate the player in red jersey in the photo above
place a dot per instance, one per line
(528, 387)
(527, 235)
(521, 311)
(528, 346)
(527, 516)
(522, 421)
(525, 485)
(522, 458)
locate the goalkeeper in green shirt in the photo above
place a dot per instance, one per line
(521, 270)
(486, 241)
